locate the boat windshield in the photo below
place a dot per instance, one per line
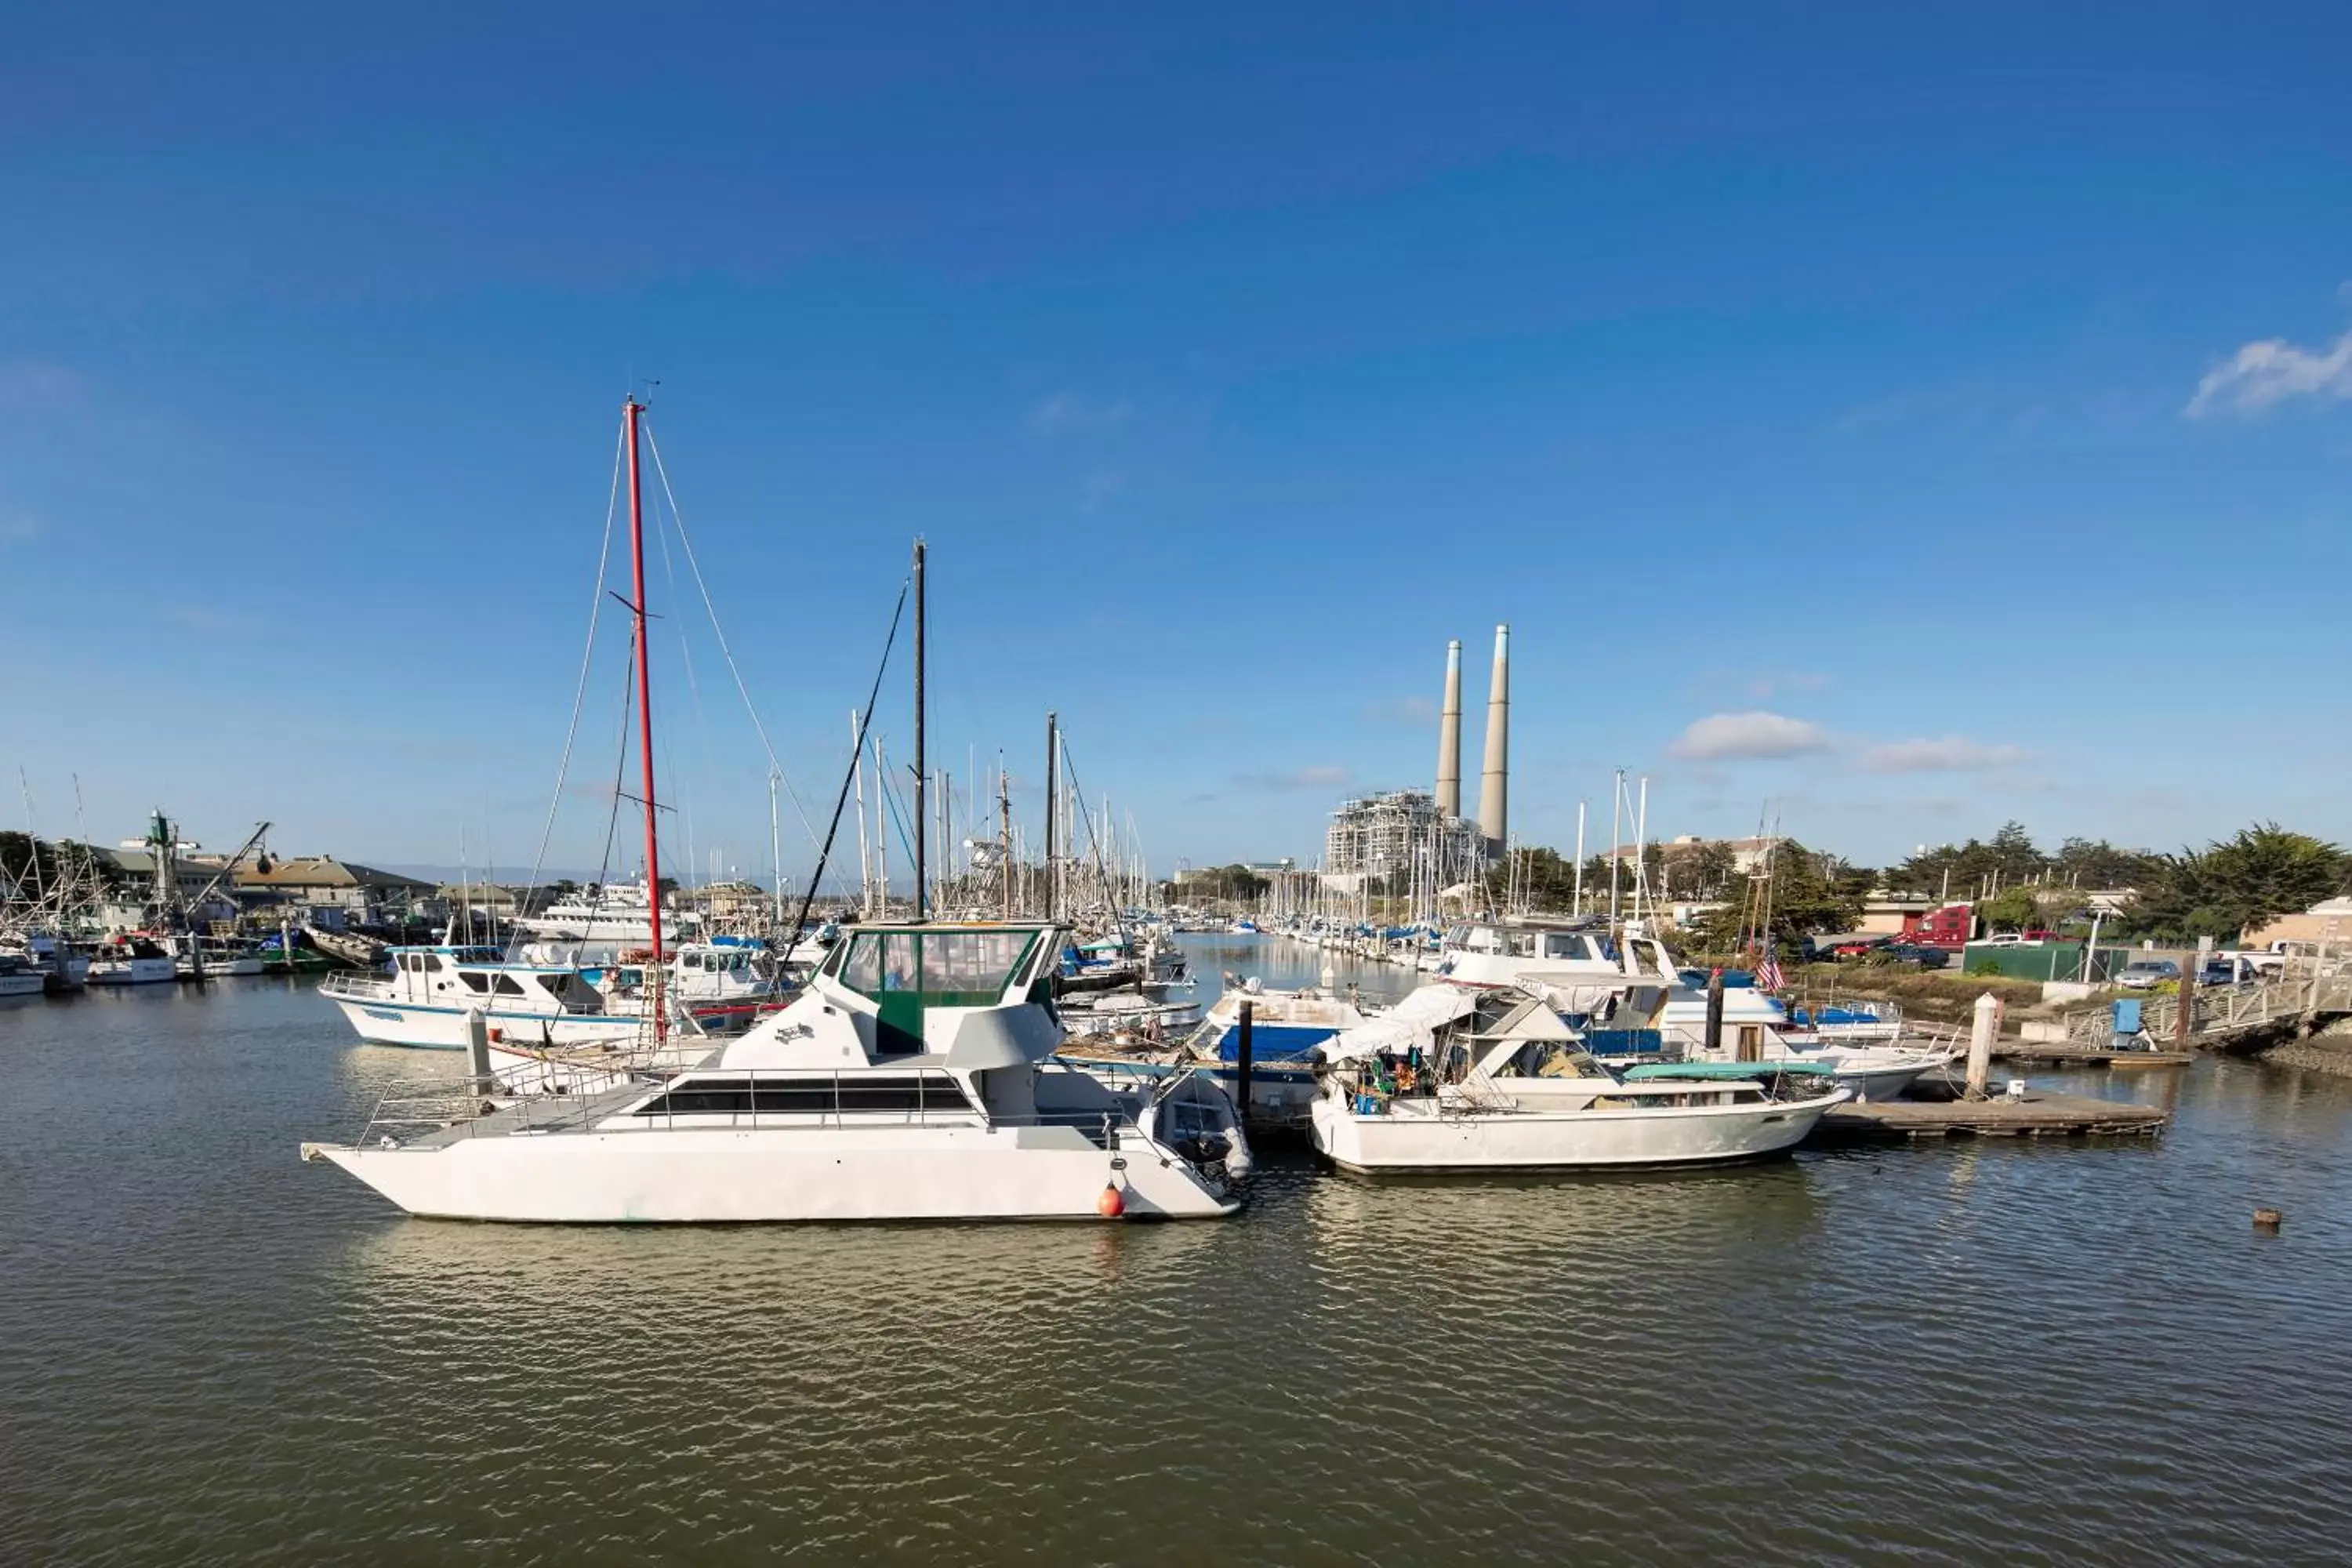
(1551, 1058)
(946, 968)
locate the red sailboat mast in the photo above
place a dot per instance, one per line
(658, 972)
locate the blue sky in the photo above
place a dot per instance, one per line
(1915, 422)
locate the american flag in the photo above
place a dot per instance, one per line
(1768, 974)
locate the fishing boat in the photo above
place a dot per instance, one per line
(913, 1080)
(423, 996)
(132, 960)
(18, 978)
(1453, 1081)
(61, 969)
(212, 957)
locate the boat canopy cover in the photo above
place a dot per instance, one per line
(1412, 1022)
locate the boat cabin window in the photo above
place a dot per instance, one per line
(1566, 944)
(929, 1094)
(943, 968)
(1523, 944)
(1476, 939)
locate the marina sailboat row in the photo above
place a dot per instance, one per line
(1008, 1068)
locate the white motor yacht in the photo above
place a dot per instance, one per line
(1457, 1081)
(913, 1080)
(618, 913)
(1592, 976)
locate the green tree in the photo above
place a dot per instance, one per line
(2011, 909)
(2095, 863)
(2237, 883)
(1806, 895)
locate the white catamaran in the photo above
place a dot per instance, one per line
(914, 1079)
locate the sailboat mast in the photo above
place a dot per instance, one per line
(922, 779)
(655, 973)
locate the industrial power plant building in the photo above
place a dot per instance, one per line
(1380, 834)
(1415, 832)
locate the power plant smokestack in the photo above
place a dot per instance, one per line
(1494, 788)
(1449, 737)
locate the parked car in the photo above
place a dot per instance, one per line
(2229, 971)
(2145, 973)
(1915, 953)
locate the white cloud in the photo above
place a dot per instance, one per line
(1729, 737)
(1067, 413)
(2272, 371)
(1952, 754)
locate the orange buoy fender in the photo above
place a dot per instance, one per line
(1112, 1204)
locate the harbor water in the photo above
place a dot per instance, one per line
(1957, 1352)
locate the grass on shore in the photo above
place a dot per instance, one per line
(1938, 996)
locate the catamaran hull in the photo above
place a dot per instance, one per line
(444, 1028)
(1410, 1138)
(722, 1175)
(1280, 1093)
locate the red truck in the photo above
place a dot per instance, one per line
(1950, 927)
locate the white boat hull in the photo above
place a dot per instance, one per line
(22, 984)
(725, 1175)
(215, 968)
(1411, 1136)
(387, 1023)
(133, 971)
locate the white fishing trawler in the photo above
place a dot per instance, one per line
(913, 1080)
(1454, 1080)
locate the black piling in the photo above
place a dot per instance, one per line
(1243, 1055)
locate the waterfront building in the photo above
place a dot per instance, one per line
(332, 892)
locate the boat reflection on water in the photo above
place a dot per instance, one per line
(846, 1298)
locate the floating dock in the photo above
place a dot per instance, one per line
(1937, 1111)
(2071, 1054)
